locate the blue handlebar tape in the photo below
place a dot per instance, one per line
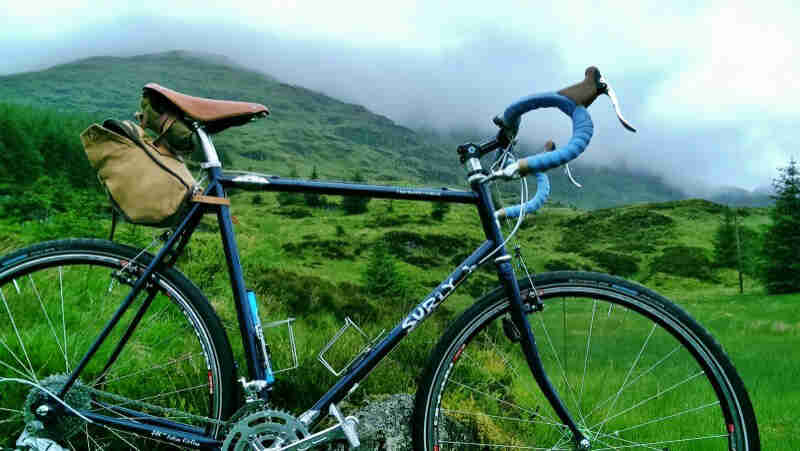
(582, 130)
(514, 112)
(542, 194)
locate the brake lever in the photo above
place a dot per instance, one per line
(569, 175)
(609, 91)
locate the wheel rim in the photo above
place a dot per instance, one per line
(51, 310)
(628, 382)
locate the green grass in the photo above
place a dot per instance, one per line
(312, 267)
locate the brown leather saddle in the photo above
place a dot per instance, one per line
(215, 115)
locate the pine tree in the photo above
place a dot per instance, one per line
(439, 210)
(782, 240)
(313, 199)
(382, 277)
(286, 198)
(355, 204)
(725, 241)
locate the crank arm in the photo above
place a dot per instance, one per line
(321, 437)
(346, 429)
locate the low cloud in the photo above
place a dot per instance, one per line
(692, 140)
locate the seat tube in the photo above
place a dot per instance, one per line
(505, 272)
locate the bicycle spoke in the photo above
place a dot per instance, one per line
(632, 381)
(492, 445)
(16, 331)
(658, 420)
(499, 417)
(49, 322)
(604, 443)
(152, 368)
(644, 401)
(628, 375)
(665, 442)
(586, 353)
(531, 412)
(63, 315)
(570, 390)
(24, 376)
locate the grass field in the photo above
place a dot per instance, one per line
(310, 264)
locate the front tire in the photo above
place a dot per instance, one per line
(634, 370)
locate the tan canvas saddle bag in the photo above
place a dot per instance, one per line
(146, 182)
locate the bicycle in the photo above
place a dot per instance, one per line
(640, 374)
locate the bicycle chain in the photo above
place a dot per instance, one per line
(160, 409)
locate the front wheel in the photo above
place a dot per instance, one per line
(634, 370)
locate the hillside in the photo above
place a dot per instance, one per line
(305, 129)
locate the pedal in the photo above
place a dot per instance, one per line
(348, 426)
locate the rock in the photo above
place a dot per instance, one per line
(385, 425)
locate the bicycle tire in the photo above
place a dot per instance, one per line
(57, 296)
(472, 395)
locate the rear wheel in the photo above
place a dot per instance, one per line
(56, 297)
(634, 370)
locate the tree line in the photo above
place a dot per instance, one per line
(775, 257)
(43, 167)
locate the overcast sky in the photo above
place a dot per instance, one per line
(712, 86)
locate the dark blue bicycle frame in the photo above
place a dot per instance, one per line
(218, 182)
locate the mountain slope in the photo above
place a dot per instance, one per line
(305, 129)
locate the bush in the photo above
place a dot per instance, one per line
(684, 261)
(258, 199)
(615, 263)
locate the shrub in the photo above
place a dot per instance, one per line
(684, 261)
(614, 262)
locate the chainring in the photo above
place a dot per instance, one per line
(258, 427)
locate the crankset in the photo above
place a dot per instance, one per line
(260, 428)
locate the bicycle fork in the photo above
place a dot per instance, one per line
(531, 351)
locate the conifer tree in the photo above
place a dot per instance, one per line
(725, 241)
(782, 240)
(287, 198)
(313, 199)
(355, 204)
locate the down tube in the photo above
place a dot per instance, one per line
(362, 367)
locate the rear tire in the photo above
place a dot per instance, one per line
(56, 296)
(634, 370)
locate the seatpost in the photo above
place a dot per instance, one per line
(212, 159)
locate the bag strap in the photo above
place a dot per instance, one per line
(214, 200)
(165, 122)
